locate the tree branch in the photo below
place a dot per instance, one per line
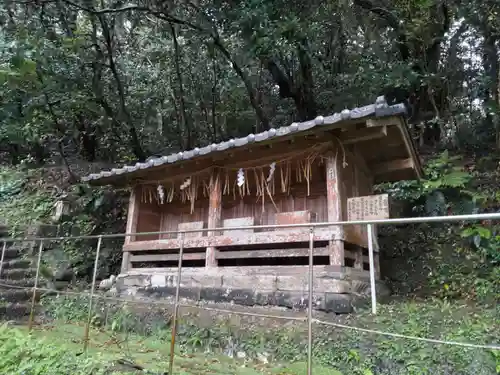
(393, 21)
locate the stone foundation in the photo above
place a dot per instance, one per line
(336, 289)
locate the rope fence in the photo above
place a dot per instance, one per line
(257, 315)
(308, 317)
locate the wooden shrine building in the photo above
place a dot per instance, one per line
(302, 173)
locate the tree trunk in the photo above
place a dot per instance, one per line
(182, 103)
(491, 95)
(135, 143)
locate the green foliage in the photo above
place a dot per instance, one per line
(21, 204)
(445, 187)
(156, 78)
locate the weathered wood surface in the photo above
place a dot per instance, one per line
(366, 134)
(335, 200)
(242, 254)
(274, 253)
(132, 216)
(214, 215)
(238, 222)
(166, 257)
(294, 217)
(217, 241)
(194, 225)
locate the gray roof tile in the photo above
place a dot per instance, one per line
(379, 109)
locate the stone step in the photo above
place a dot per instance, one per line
(22, 283)
(12, 253)
(17, 274)
(14, 311)
(19, 295)
(16, 264)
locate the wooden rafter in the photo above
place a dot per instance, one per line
(365, 134)
(393, 165)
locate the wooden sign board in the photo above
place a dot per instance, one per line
(371, 207)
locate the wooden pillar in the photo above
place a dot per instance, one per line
(335, 200)
(214, 215)
(132, 217)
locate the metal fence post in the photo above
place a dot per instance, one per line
(91, 298)
(3, 256)
(310, 301)
(372, 268)
(37, 276)
(176, 306)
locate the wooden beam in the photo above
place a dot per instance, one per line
(273, 253)
(132, 218)
(410, 148)
(165, 257)
(265, 154)
(240, 254)
(277, 237)
(393, 165)
(214, 215)
(383, 121)
(361, 135)
(335, 199)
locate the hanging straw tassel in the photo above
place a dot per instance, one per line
(171, 193)
(226, 184)
(282, 179)
(257, 184)
(247, 182)
(289, 176)
(262, 189)
(270, 197)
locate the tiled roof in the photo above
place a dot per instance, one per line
(379, 109)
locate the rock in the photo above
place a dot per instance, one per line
(241, 355)
(64, 275)
(262, 357)
(107, 284)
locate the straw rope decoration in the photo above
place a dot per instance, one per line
(265, 176)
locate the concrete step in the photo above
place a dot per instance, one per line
(14, 311)
(17, 274)
(17, 264)
(18, 295)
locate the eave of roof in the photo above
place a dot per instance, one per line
(379, 109)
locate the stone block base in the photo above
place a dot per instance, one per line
(335, 290)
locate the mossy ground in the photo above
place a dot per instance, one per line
(152, 353)
(212, 334)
